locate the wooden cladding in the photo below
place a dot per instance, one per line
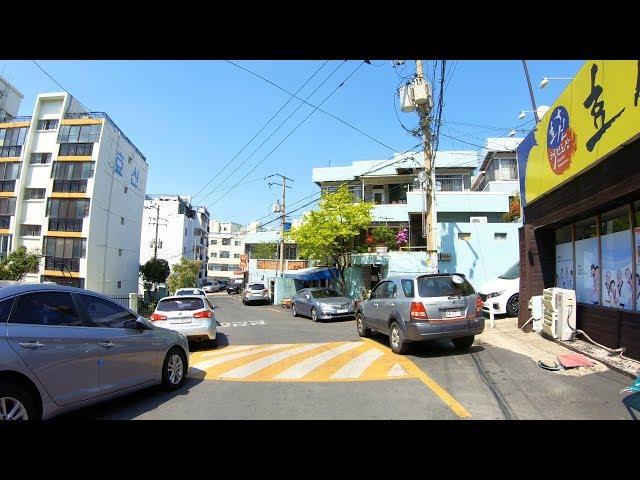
(275, 264)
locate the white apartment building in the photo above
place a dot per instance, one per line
(72, 187)
(10, 99)
(498, 170)
(226, 245)
(182, 230)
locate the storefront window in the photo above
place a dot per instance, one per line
(564, 258)
(587, 265)
(636, 249)
(615, 243)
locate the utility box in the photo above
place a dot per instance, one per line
(559, 312)
(422, 92)
(406, 98)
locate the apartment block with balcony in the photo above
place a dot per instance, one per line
(226, 246)
(498, 170)
(72, 187)
(182, 231)
(10, 99)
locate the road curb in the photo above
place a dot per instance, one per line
(597, 359)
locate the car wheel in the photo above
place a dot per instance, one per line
(363, 330)
(293, 310)
(396, 339)
(174, 371)
(314, 314)
(213, 343)
(513, 305)
(16, 403)
(463, 343)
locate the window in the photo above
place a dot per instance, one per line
(79, 134)
(46, 308)
(214, 242)
(185, 232)
(564, 258)
(34, 193)
(65, 247)
(121, 220)
(130, 160)
(119, 252)
(587, 265)
(47, 124)
(30, 230)
(7, 206)
(11, 141)
(236, 255)
(180, 305)
(226, 241)
(76, 149)
(464, 236)
(224, 254)
(119, 284)
(126, 189)
(5, 245)
(10, 170)
(379, 291)
(443, 287)
(449, 183)
(5, 309)
(615, 237)
(237, 243)
(5, 221)
(214, 254)
(391, 290)
(40, 158)
(407, 288)
(67, 208)
(103, 313)
(499, 236)
(72, 170)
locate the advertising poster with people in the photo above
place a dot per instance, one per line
(617, 281)
(637, 255)
(587, 271)
(564, 266)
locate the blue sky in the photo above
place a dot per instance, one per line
(190, 118)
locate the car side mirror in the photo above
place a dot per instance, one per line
(141, 324)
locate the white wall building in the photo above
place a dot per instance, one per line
(226, 245)
(10, 99)
(182, 230)
(72, 187)
(498, 170)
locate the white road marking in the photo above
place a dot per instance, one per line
(233, 356)
(301, 369)
(242, 324)
(225, 351)
(396, 371)
(256, 365)
(358, 365)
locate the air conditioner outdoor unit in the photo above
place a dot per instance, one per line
(559, 319)
(477, 219)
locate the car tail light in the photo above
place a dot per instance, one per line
(205, 314)
(156, 316)
(479, 304)
(418, 311)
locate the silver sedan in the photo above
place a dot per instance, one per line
(322, 304)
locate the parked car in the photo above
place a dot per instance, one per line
(191, 315)
(322, 304)
(255, 292)
(414, 308)
(212, 287)
(63, 348)
(235, 286)
(503, 293)
(190, 291)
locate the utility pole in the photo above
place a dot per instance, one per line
(155, 243)
(424, 110)
(283, 215)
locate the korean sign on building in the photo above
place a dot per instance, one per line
(596, 114)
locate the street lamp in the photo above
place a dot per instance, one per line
(545, 80)
(512, 133)
(541, 110)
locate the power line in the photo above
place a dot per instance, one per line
(272, 133)
(58, 83)
(290, 133)
(262, 129)
(316, 107)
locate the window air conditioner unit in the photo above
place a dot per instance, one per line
(477, 219)
(559, 319)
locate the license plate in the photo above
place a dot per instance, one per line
(343, 311)
(180, 320)
(452, 313)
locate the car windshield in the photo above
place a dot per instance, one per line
(188, 292)
(443, 286)
(512, 273)
(325, 293)
(180, 305)
(256, 286)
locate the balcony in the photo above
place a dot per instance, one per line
(7, 185)
(69, 186)
(75, 149)
(5, 221)
(11, 151)
(62, 264)
(65, 224)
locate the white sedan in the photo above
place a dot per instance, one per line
(191, 315)
(502, 294)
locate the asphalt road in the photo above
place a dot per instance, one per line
(270, 365)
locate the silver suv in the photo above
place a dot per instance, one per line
(62, 348)
(414, 308)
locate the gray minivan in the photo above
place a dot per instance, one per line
(62, 348)
(419, 307)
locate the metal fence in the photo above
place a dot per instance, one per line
(143, 309)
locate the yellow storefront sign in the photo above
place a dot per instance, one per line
(595, 115)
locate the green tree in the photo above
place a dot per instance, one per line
(385, 236)
(154, 271)
(184, 275)
(264, 250)
(328, 234)
(17, 263)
